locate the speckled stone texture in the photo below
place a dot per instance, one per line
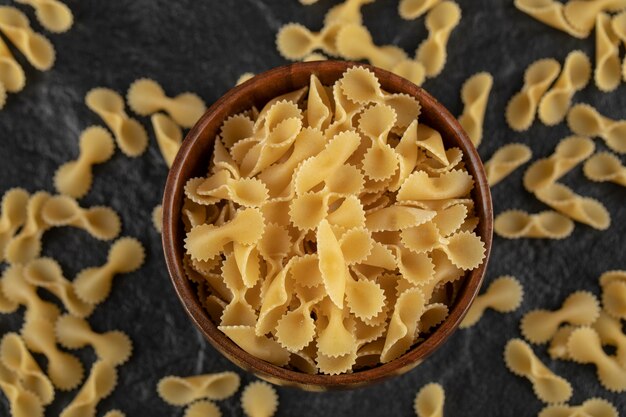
(203, 46)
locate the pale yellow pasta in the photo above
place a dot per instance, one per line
(36, 48)
(238, 311)
(93, 285)
(16, 357)
(17, 291)
(204, 408)
(521, 109)
(169, 136)
(515, 224)
(130, 135)
(22, 402)
(558, 344)
(404, 320)
(12, 75)
(582, 14)
(259, 399)
(550, 12)
(420, 186)
(12, 215)
(99, 385)
(522, 361)
(296, 329)
(260, 346)
(244, 77)
(580, 308)
(295, 41)
(412, 9)
(574, 77)
(117, 413)
(593, 407)
(584, 120)
(380, 161)
(610, 331)
(412, 70)
(506, 160)
(113, 347)
(157, 217)
(584, 347)
(177, 390)
(613, 285)
(146, 97)
(475, 95)
(26, 245)
(101, 222)
(582, 209)
(608, 71)
(440, 22)
(504, 295)
(429, 401)
(570, 152)
(314, 56)
(52, 14)
(349, 11)
(74, 178)
(603, 167)
(354, 42)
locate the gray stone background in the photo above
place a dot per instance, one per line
(203, 46)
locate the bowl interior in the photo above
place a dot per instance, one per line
(193, 160)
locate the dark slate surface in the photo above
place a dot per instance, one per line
(204, 46)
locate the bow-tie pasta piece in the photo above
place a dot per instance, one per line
(261, 347)
(380, 161)
(568, 153)
(130, 135)
(22, 402)
(515, 224)
(295, 41)
(608, 72)
(74, 178)
(585, 347)
(404, 322)
(319, 108)
(558, 345)
(17, 291)
(354, 42)
(180, 391)
(581, 309)
(331, 263)
(594, 407)
(582, 15)
(169, 136)
(204, 408)
(412, 9)
(504, 295)
(118, 413)
(26, 245)
(610, 331)
(538, 77)
(619, 28)
(296, 329)
(12, 215)
(238, 311)
(146, 97)
(99, 385)
(35, 47)
(574, 77)
(613, 285)
(12, 75)
(93, 285)
(506, 160)
(16, 357)
(582, 209)
(157, 218)
(259, 399)
(348, 11)
(420, 186)
(245, 77)
(440, 22)
(412, 70)
(113, 347)
(101, 222)
(549, 12)
(475, 95)
(584, 120)
(522, 361)
(236, 128)
(52, 14)
(604, 166)
(429, 401)
(397, 217)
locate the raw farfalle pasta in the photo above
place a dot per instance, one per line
(168, 135)
(610, 331)
(74, 178)
(146, 97)
(584, 346)
(574, 77)
(349, 11)
(130, 135)
(295, 41)
(440, 22)
(12, 215)
(177, 390)
(412, 70)
(18, 291)
(603, 167)
(613, 285)
(521, 109)
(100, 222)
(26, 245)
(522, 361)
(22, 402)
(52, 14)
(580, 308)
(157, 218)
(558, 344)
(36, 48)
(203, 408)
(475, 95)
(515, 224)
(249, 75)
(314, 56)
(354, 41)
(429, 401)
(260, 346)
(259, 399)
(93, 285)
(412, 9)
(582, 14)
(506, 160)
(584, 120)
(504, 295)
(12, 75)
(593, 407)
(113, 347)
(549, 12)
(99, 385)
(608, 72)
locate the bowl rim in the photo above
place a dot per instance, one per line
(172, 205)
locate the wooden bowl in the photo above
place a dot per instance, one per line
(193, 159)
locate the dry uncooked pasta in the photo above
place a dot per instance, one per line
(604, 166)
(35, 47)
(323, 218)
(506, 160)
(52, 14)
(146, 97)
(609, 330)
(440, 22)
(538, 77)
(613, 285)
(315, 56)
(177, 390)
(522, 361)
(169, 136)
(580, 308)
(515, 224)
(130, 135)
(475, 95)
(12, 75)
(593, 407)
(26, 244)
(295, 41)
(22, 403)
(558, 344)
(584, 120)
(429, 401)
(504, 295)
(246, 76)
(204, 408)
(549, 12)
(74, 178)
(608, 72)
(100, 222)
(412, 9)
(157, 218)
(354, 41)
(574, 77)
(259, 399)
(412, 70)
(582, 14)
(118, 413)
(99, 385)
(12, 215)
